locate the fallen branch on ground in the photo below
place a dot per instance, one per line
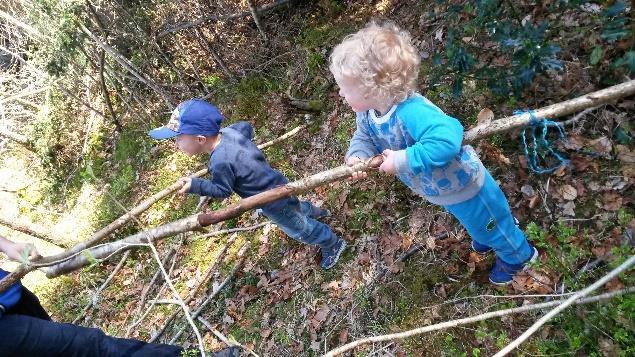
(469, 320)
(564, 304)
(232, 230)
(555, 110)
(18, 138)
(159, 293)
(224, 338)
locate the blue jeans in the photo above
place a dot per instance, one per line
(26, 330)
(296, 220)
(489, 221)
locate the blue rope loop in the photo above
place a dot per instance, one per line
(539, 141)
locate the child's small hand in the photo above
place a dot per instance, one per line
(388, 166)
(357, 175)
(186, 182)
(21, 251)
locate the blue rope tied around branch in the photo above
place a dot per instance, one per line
(539, 141)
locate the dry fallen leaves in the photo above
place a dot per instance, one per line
(612, 201)
(568, 192)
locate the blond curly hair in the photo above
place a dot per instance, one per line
(381, 58)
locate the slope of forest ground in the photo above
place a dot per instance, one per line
(279, 303)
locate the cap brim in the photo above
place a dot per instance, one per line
(162, 133)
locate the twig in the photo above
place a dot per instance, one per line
(155, 279)
(230, 276)
(489, 296)
(580, 294)
(192, 295)
(223, 338)
(469, 320)
(254, 14)
(30, 229)
(95, 299)
(232, 230)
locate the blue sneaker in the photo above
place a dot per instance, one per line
(481, 248)
(502, 273)
(331, 255)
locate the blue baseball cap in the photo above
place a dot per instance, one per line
(194, 117)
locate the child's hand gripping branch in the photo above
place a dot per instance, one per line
(19, 252)
(186, 183)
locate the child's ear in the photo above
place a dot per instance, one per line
(201, 139)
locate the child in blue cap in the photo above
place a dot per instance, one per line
(376, 70)
(237, 165)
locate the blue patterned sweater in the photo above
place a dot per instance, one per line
(430, 159)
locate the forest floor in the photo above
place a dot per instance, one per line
(280, 303)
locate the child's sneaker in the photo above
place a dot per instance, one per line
(502, 273)
(332, 255)
(481, 248)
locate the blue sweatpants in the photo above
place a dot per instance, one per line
(296, 220)
(489, 221)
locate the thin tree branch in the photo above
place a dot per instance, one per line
(125, 63)
(224, 338)
(95, 299)
(230, 276)
(254, 14)
(30, 229)
(566, 303)
(469, 320)
(207, 276)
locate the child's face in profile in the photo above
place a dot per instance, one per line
(191, 144)
(353, 93)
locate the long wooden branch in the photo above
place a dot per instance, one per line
(469, 320)
(18, 138)
(198, 221)
(214, 18)
(191, 223)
